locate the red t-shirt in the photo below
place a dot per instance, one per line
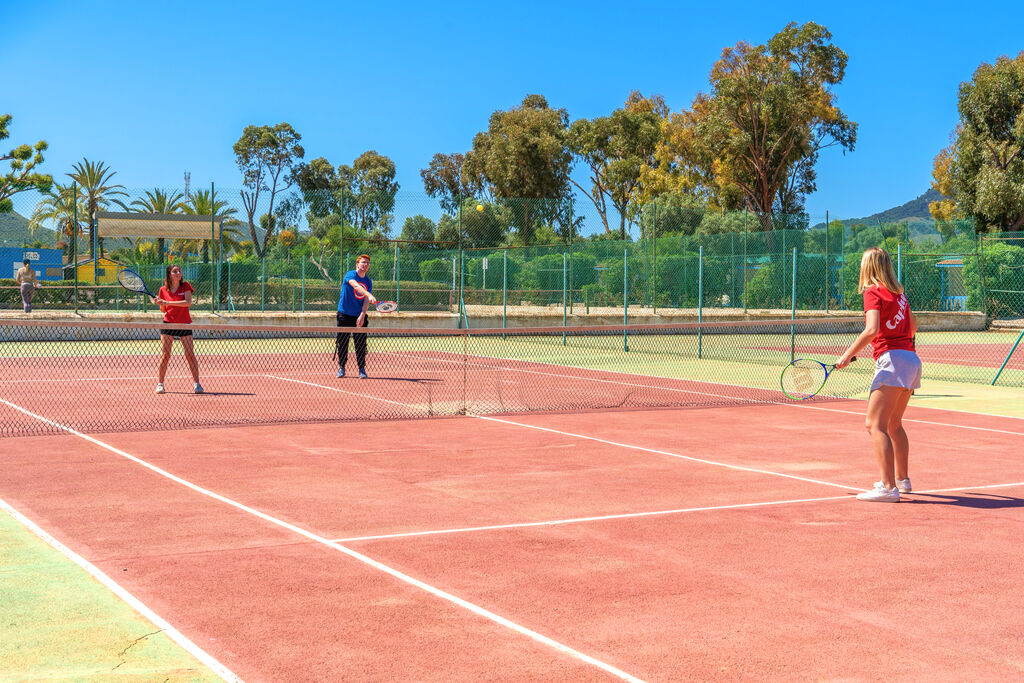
(176, 314)
(894, 320)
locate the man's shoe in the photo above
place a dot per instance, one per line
(362, 373)
(198, 388)
(341, 372)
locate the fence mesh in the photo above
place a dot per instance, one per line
(435, 254)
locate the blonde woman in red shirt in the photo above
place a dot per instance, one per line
(174, 299)
(889, 327)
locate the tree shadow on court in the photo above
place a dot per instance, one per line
(984, 501)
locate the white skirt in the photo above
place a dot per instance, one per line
(897, 368)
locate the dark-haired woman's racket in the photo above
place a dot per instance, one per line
(804, 378)
(386, 307)
(133, 282)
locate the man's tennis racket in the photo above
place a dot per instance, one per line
(133, 282)
(804, 378)
(386, 307)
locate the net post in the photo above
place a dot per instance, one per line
(792, 316)
(1007, 359)
(700, 301)
(74, 239)
(625, 298)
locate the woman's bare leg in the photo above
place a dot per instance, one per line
(190, 356)
(165, 350)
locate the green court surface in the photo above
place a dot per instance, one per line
(59, 623)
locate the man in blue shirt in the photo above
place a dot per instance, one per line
(356, 297)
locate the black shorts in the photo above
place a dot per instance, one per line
(177, 333)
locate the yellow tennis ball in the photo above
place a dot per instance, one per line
(479, 207)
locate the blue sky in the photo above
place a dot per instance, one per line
(155, 89)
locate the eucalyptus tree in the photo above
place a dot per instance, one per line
(981, 173)
(524, 160)
(616, 149)
(755, 138)
(266, 156)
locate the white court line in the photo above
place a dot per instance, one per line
(578, 520)
(133, 602)
(437, 592)
(593, 438)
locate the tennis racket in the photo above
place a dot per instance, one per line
(386, 307)
(133, 282)
(804, 378)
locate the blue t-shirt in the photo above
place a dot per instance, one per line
(351, 301)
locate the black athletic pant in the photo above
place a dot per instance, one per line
(358, 338)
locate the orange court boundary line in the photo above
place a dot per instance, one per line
(365, 559)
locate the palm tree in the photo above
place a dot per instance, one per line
(205, 203)
(58, 205)
(159, 201)
(93, 180)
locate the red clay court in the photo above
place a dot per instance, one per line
(643, 543)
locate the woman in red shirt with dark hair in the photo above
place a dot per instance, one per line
(889, 327)
(174, 299)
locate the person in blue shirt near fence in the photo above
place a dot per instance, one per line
(355, 300)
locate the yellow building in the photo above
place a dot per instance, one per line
(105, 273)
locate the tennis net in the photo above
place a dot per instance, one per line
(100, 377)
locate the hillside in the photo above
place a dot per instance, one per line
(14, 232)
(915, 208)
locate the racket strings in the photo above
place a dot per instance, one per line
(802, 379)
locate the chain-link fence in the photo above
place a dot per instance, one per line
(290, 254)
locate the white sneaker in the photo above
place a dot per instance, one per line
(880, 494)
(198, 388)
(904, 485)
(160, 388)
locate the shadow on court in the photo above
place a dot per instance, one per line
(211, 393)
(982, 501)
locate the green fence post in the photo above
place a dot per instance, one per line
(74, 239)
(304, 285)
(625, 299)
(700, 301)
(565, 270)
(398, 278)
(743, 277)
(732, 267)
(792, 316)
(1008, 356)
(827, 265)
(213, 236)
(263, 283)
(504, 287)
